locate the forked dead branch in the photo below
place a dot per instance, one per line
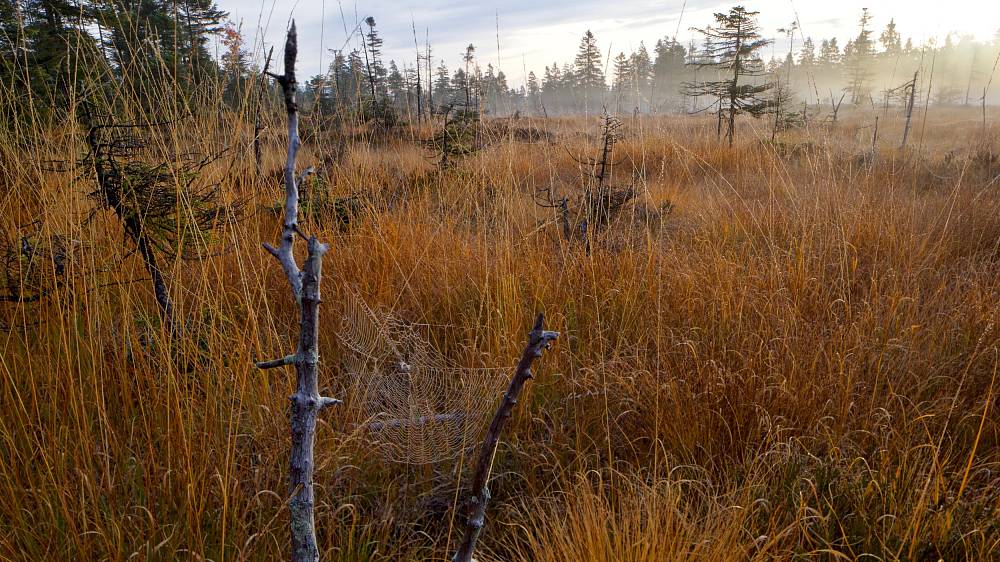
(306, 402)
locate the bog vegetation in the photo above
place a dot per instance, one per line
(776, 287)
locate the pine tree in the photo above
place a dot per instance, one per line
(733, 50)
(807, 55)
(395, 86)
(622, 83)
(552, 87)
(198, 20)
(339, 75)
(829, 53)
(534, 93)
(373, 64)
(469, 58)
(357, 79)
(890, 39)
(857, 61)
(642, 73)
(442, 84)
(156, 42)
(589, 77)
(502, 95)
(45, 47)
(459, 87)
(668, 67)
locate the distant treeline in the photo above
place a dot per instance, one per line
(873, 68)
(54, 51)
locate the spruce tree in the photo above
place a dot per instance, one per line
(642, 73)
(45, 51)
(807, 55)
(622, 82)
(469, 58)
(829, 53)
(534, 93)
(891, 41)
(442, 84)
(373, 64)
(589, 77)
(668, 68)
(857, 61)
(733, 46)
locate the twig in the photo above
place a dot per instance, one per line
(539, 339)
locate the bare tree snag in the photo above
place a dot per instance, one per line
(909, 109)
(306, 402)
(836, 106)
(539, 339)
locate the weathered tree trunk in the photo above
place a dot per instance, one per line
(875, 140)
(420, 94)
(909, 110)
(836, 106)
(160, 290)
(539, 339)
(718, 124)
(306, 402)
(735, 85)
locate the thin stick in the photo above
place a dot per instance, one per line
(539, 339)
(416, 47)
(909, 110)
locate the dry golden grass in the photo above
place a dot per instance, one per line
(799, 361)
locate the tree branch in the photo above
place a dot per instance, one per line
(539, 339)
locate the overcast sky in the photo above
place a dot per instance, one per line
(534, 33)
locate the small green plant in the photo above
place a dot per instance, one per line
(458, 136)
(162, 206)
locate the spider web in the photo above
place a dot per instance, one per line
(418, 407)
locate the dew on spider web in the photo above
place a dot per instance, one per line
(418, 407)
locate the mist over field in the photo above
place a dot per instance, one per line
(499, 282)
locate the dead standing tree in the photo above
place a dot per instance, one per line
(539, 339)
(305, 284)
(910, 89)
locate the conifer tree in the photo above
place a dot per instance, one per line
(589, 77)
(469, 58)
(622, 82)
(373, 64)
(44, 45)
(829, 53)
(442, 84)
(534, 93)
(668, 67)
(891, 41)
(642, 73)
(857, 60)
(732, 51)
(395, 86)
(807, 55)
